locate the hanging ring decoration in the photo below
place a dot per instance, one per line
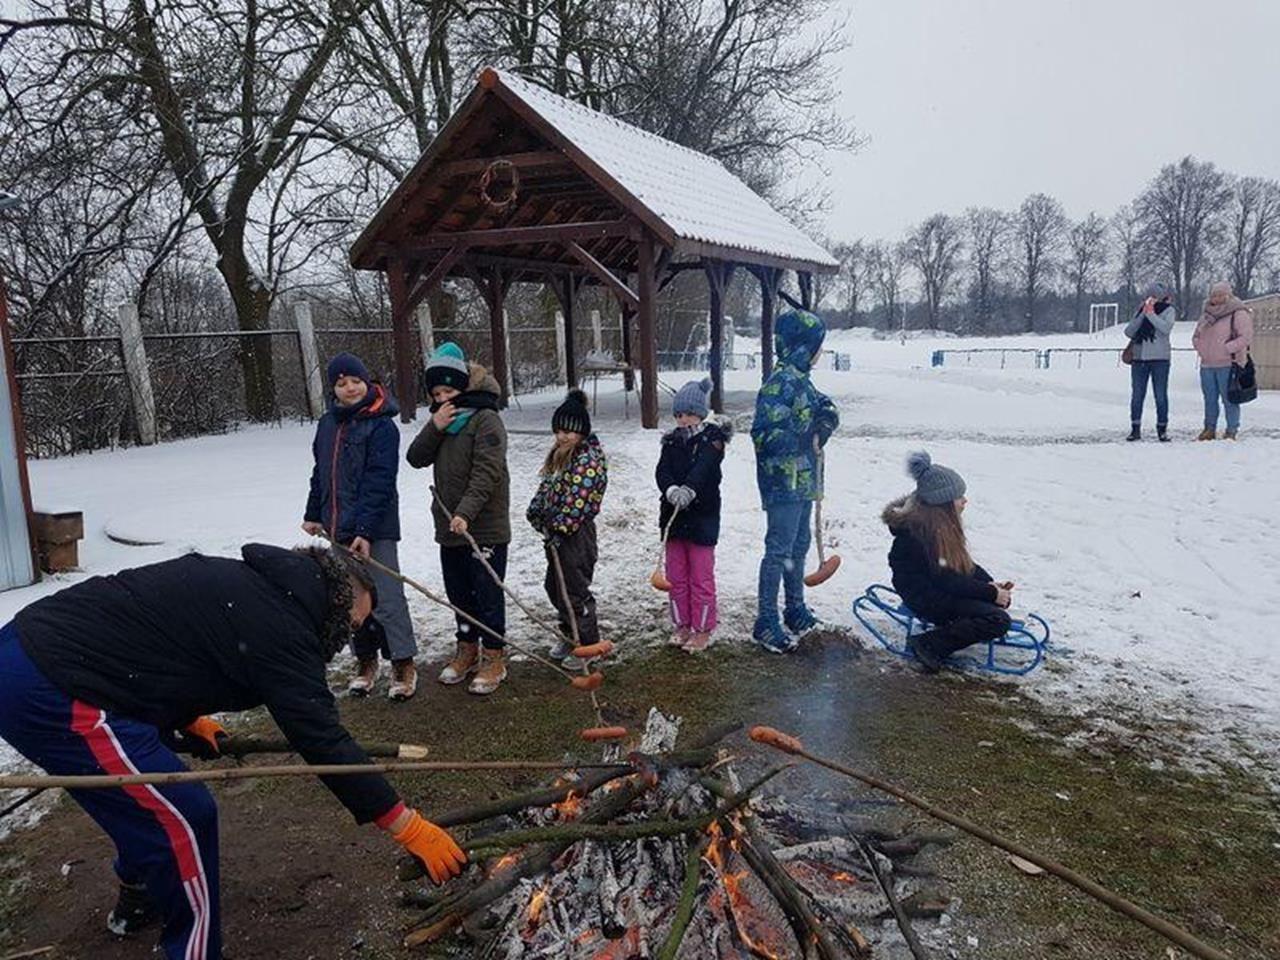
(488, 178)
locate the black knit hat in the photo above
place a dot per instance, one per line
(572, 416)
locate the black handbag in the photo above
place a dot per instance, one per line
(1242, 382)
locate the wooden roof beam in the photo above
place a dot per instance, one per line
(626, 297)
(514, 236)
(529, 160)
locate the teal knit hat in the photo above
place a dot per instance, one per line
(447, 367)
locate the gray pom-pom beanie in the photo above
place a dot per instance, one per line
(935, 484)
(692, 398)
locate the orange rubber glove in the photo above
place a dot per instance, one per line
(432, 846)
(204, 734)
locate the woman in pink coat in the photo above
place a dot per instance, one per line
(1222, 337)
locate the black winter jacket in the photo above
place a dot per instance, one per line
(693, 462)
(927, 588)
(171, 641)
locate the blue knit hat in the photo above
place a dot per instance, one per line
(692, 398)
(447, 367)
(935, 484)
(347, 365)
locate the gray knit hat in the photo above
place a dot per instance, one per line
(1157, 289)
(935, 484)
(692, 398)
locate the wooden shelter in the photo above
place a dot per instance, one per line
(1266, 339)
(525, 186)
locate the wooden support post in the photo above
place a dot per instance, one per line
(716, 272)
(496, 295)
(402, 340)
(426, 330)
(769, 280)
(647, 290)
(506, 349)
(312, 378)
(628, 354)
(134, 354)
(566, 288)
(805, 279)
(597, 334)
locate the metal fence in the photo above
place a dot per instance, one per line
(1041, 359)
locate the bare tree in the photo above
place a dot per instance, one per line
(1253, 235)
(221, 90)
(1180, 219)
(988, 234)
(886, 266)
(853, 277)
(1125, 228)
(1039, 226)
(1087, 248)
(934, 248)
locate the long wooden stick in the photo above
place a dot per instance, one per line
(458, 611)
(1193, 945)
(243, 746)
(687, 902)
(105, 781)
(573, 622)
(899, 915)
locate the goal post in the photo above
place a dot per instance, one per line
(1102, 316)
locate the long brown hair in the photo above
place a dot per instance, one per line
(942, 532)
(558, 459)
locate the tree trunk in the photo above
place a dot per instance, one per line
(252, 302)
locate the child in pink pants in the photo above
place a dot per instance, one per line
(688, 476)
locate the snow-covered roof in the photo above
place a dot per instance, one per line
(692, 193)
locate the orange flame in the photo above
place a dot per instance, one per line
(536, 904)
(503, 863)
(735, 901)
(570, 806)
(844, 877)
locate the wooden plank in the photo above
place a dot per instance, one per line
(716, 275)
(515, 236)
(648, 335)
(402, 340)
(441, 270)
(529, 160)
(606, 276)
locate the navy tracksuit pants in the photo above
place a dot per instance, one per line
(166, 836)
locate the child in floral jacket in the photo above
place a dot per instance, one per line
(563, 510)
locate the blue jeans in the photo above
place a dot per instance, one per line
(1157, 371)
(1213, 384)
(786, 544)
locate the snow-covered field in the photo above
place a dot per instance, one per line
(1156, 563)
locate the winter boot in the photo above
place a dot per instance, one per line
(1135, 433)
(1230, 434)
(774, 639)
(563, 650)
(361, 684)
(464, 662)
(698, 641)
(493, 670)
(133, 911)
(1208, 433)
(404, 679)
(799, 620)
(680, 638)
(928, 660)
(1162, 432)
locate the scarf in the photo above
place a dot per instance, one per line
(466, 404)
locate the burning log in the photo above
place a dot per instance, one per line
(685, 907)
(904, 923)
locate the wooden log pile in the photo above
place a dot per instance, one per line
(678, 858)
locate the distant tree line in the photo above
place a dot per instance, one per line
(1034, 269)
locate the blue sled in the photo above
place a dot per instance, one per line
(1018, 652)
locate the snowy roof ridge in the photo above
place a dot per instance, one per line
(706, 203)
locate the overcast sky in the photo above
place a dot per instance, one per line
(981, 102)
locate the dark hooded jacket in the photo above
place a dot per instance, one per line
(357, 456)
(469, 466)
(927, 587)
(791, 413)
(172, 641)
(693, 460)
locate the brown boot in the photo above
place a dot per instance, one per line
(493, 670)
(404, 679)
(361, 684)
(1229, 435)
(463, 663)
(1207, 434)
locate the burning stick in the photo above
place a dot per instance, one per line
(899, 915)
(1188, 942)
(685, 906)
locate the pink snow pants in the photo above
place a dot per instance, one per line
(691, 568)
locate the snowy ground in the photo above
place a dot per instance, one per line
(1155, 563)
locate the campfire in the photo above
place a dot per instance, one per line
(675, 855)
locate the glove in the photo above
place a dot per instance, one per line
(825, 422)
(203, 738)
(681, 497)
(432, 847)
(553, 540)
